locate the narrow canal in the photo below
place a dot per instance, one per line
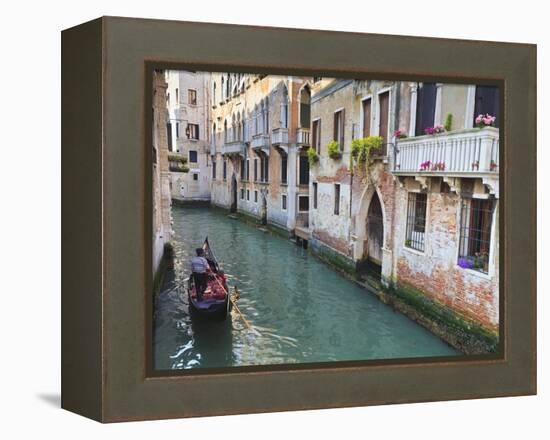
(301, 310)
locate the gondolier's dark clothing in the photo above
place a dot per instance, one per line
(199, 268)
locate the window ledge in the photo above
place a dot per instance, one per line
(414, 251)
(477, 273)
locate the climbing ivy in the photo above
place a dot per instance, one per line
(361, 149)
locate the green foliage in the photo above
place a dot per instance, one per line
(312, 156)
(449, 122)
(177, 158)
(178, 167)
(361, 147)
(333, 149)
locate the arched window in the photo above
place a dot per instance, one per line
(262, 117)
(214, 134)
(239, 134)
(266, 115)
(225, 131)
(221, 96)
(228, 86)
(305, 111)
(233, 128)
(284, 109)
(256, 122)
(214, 93)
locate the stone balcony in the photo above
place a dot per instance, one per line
(235, 148)
(303, 137)
(460, 153)
(260, 143)
(279, 139)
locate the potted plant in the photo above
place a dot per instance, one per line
(486, 120)
(312, 156)
(448, 122)
(333, 149)
(437, 129)
(399, 134)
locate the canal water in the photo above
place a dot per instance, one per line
(300, 310)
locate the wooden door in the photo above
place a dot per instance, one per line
(375, 231)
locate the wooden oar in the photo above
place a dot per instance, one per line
(234, 304)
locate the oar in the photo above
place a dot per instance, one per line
(234, 305)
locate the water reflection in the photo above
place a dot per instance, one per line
(300, 310)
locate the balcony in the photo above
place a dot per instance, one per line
(302, 137)
(260, 143)
(235, 148)
(461, 153)
(279, 139)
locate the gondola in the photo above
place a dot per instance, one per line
(215, 302)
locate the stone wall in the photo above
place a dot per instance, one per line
(162, 228)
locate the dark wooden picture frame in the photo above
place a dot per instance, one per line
(106, 194)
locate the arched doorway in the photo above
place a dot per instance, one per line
(375, 231)
(233, 207)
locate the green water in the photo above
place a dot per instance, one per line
(300, 309)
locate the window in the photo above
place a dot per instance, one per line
(337, 199)
(487, 102)
(225, 170)
(284, 109)
(192, 131)
(248, 169)
(339, 128)
(195, 176)
(425, 107)
(304, 171)
(475, 234)
(384, 107)
(242, 193)
(283, 202)
(314, 195)
(416, 221)
(243, 170)
(255, 170)
(177, 130)
(316, 136)
(284, 169)
(192, 95)
(303, 203)
(169, 135)
(247, 194)
(213, 170)
(264, 169)
(255, 196)
(366, 117)
(177, 96)
(305, 108)
(192, 156)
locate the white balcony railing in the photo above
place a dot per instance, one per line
(233, 148)
(461, 152)
(260, 142)
(279, 136)
(302, 137)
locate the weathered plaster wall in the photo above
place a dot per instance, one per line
(435, 271)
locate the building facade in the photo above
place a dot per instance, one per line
(423, 209)
(162, 229)
(258, 151)
(188, 103)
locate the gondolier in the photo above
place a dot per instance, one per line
(199, 272)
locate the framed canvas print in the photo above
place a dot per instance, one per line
(283, 219)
